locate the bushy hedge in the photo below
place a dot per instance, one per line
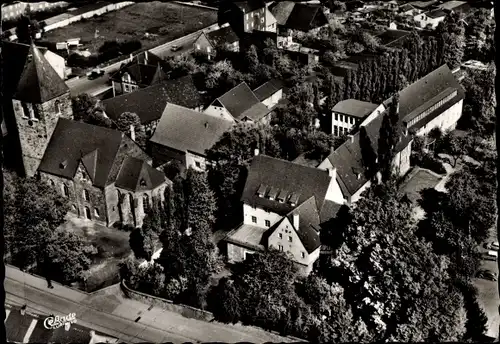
(77, 60)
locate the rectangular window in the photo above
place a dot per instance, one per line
(303, 254)
(268, 223)
(281, 235)
(341, 118)
(336, 116)
(208, 49)
(198, 47)
(197, 164)
(280, 247)
(86, 195)
(289, 239)
(254, 219)
(335, 130)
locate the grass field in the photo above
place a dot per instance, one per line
(163, 21)
(418, 182)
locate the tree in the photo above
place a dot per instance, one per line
(388, 138)
(378, 244)
(142, 242)
(222, 76)
(225, 302)
(128, 120)
(87, 109)
(27, 29)
(201, 205)
(252, 59)
(368, 155)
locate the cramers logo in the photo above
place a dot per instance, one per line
(53, 322)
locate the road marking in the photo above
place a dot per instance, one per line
(27, 336)
(7, 312)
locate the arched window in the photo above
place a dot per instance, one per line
(57, 106)
(65, 190)
(86, 195)
(87, 213)
(96, 212)
(145, 202)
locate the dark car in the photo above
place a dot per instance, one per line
(487, 274)
(95, 74)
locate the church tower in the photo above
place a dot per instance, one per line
(39, 99)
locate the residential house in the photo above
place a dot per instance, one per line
(455, 6)
(430, 19)
(239, 104)
(270, 93)
(283, 206)
(246, 16)
(35, 98)
(348, 114)
(292, 16)
(184, 135)
(209, 43)
(15, 9)
(303, 55)
(346, 161)
(409, 10)
(102, 173)
(143, 70)
(150, 102)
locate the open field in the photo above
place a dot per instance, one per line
(112, 246)
(163, 21)
(421, 180)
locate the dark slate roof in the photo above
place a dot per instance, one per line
(436, 13)
(289, 178)
(267, 89)
(423, 4)
(348, 161)
(143, 58)
(303, 17)
(74, 142)
(255, 113)
(353, 107)
(406, 8)
(309, 222)
(184, 129)
(425, 90)
(281, 10)
(329, 211)
(28, 76)
(222, 36)
(250, 5)
(238, 100)
(148, 103)
(136, 175)
(145, 74)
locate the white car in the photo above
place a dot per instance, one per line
(175, 48)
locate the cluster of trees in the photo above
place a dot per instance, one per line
(479, 36)
(107, 51)
(183, 226)
(33, 212)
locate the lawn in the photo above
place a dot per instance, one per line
(163, 21)
(421, 180)
(112, 246)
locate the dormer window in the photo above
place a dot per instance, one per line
(262, 190)
(57, 107)
(143, 182)
(358, 175)
(63, 165)
(272, 193)
(294, 199)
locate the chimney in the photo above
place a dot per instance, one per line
(132, 132)
(296, 221)
(351, 138)
(333, 173)
(256, 152)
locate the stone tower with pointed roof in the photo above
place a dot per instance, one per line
(39, 98)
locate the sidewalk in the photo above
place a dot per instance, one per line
(154, 325)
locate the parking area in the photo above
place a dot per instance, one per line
(29, 328)
(488, 297)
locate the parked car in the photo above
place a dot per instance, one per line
(175, 47)
(96, 73)
(487, 274)
(491, 245)
(490, 255)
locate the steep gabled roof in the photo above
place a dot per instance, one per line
(38, 82)
(98, 149)
(238, 100)
(295, 183)
(149, 102)
(298, 16)
(267, 89)
(184, 129)
(255, 113)
(250, 5)
(281, 11)
(222, 36)
(437, 13)
(309, 222)
(136, 175)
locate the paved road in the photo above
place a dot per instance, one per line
(112, 314)
(96, 86)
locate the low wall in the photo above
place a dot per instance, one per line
(184, 310)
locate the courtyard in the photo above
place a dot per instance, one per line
(112, 247)
(152, 23)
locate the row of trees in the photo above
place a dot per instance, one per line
(33, 212)
(183, 227)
